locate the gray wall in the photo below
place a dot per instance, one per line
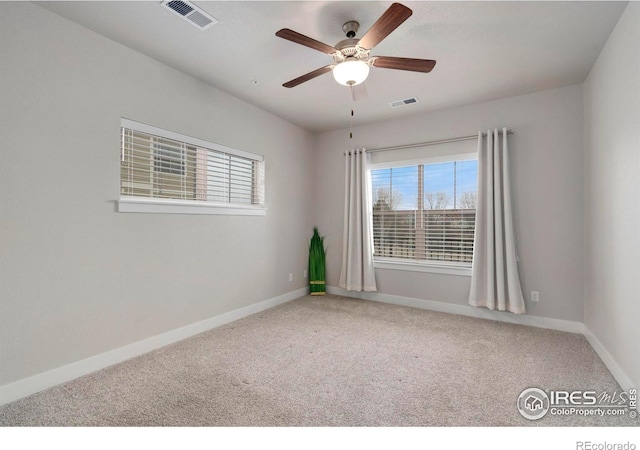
(547, 179)
(79, 279)
(612, 193)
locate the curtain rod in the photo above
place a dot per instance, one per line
(424, 144)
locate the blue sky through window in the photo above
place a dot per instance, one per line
(442, 183)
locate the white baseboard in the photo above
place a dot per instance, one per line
(27, 386)
(623, 380)
(465, 310)
(541, 322)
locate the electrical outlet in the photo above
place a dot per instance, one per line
(290, 277)
(304, 273)
(535, 296)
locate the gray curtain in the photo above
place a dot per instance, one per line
(357, 272)
(495, 283)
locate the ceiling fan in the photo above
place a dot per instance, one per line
(351, 55)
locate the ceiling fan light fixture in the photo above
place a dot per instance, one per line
(351, 72)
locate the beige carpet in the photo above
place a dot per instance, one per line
(332, 361)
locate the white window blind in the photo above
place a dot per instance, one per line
(162, 165)
(425, 211)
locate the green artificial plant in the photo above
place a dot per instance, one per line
(316, 264)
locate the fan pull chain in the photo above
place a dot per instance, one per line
(351, 118)
(351, 126)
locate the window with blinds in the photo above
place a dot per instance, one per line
(425, 212)
(166, 167)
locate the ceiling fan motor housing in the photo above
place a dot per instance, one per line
(352, 67)
(349, 49)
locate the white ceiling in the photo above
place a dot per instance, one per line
(484, 50)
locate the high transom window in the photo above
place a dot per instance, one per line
(160, 168)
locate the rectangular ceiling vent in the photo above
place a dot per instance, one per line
(404, 102)
(191, 13)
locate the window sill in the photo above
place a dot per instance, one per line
(162, 206)
(413, 266)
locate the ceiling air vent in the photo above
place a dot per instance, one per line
(406, 101)
(191, 13)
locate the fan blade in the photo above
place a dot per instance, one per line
(301, 39)
(412, 64)
(391, 19)
(359, 92)
(308, 76)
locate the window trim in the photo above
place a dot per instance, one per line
(133, 204)
(412, 265)
(172, 206)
